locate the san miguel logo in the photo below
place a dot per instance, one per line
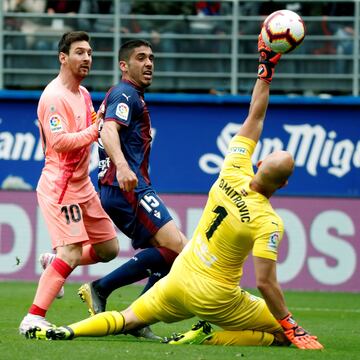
(312, 147)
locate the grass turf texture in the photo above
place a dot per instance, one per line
(333, 317)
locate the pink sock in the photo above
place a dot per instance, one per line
(51, 281)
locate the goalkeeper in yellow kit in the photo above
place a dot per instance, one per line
(204, 279)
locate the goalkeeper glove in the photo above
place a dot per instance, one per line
(297, 335)
(267, 61)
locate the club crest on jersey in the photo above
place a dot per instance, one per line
(122, 111)
(237, 150)
(273, 241)
(55, 123)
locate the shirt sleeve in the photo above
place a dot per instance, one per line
(266, 245)
(120, 107)
(238, 156)
(56, 126)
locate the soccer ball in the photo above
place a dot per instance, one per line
(283, 31)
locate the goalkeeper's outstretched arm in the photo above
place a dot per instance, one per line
(253, 124)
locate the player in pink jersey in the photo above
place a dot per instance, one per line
(80, 230)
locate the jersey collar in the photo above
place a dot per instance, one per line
(138, 88)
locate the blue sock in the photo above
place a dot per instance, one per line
(147, 263)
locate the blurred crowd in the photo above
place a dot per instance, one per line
(73, 16)
(187, 29)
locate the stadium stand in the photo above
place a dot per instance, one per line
(197, 61)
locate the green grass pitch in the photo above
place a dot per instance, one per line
(333, 317)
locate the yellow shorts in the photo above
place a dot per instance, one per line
(183, 294)
(76, 223)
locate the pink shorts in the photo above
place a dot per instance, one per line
(76, 223)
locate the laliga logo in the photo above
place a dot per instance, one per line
(54, 121)
(311, 146)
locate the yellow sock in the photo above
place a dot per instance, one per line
(106, 323)
(241, 337)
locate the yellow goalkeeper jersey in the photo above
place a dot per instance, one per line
(235, 221)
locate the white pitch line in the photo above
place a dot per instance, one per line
(327, 310)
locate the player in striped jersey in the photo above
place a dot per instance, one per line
(125, 187)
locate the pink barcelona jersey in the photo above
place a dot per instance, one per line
(65, 123)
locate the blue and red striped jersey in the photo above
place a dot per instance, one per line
(125, 104)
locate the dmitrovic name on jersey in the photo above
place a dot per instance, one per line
(237, 199)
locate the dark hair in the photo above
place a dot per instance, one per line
(69, 37)
(128, 47)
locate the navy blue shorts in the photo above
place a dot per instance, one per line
(138, 216)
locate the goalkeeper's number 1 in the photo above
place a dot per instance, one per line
(221, 214)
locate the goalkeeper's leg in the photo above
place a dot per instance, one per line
(106, 323)
(241, 338)
(203, 333)
(103, 324)
(246, 338)
(248, 322)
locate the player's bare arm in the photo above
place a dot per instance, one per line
(253, 124)
(109, 136)
(266, 282)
